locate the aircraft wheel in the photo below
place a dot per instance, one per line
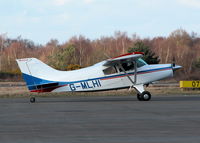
(139, 97)
(32, 99)
(146, 96)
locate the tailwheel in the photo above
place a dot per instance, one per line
(32, 99)
(144, 96)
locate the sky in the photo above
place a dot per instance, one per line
(42, 20)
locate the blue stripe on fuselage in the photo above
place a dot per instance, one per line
(31, 80)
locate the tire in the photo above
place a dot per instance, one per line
(139, 97)
(146, 96)
(32, 99)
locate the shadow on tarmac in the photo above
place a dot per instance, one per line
(119, 99)
(169, 98)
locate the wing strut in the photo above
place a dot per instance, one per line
(135, 72)
(139, 87)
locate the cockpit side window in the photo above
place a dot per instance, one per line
(110, 70)
(127, 66)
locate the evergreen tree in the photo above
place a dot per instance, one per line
(62, 57)
(149, 56)
(196, 64)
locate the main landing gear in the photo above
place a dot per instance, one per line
(144, 96)
(32, 99)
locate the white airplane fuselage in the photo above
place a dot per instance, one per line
(145, 75)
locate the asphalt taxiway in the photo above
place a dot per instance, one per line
(112, 119)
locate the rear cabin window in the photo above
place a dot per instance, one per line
(110, 70)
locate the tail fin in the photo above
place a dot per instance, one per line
(37, 74)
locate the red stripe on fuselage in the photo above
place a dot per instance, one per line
(47, 89)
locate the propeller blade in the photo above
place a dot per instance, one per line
(173, 62)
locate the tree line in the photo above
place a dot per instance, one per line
(79, 51)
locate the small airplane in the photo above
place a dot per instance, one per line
(124, 71)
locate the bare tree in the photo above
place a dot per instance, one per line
(3, 38)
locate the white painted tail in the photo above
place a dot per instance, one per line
(34, 67)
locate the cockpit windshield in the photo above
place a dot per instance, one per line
(140, 62)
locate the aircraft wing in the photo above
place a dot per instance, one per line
(123, 58)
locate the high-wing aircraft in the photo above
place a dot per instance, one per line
(124, 71)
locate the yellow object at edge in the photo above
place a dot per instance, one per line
(190, 84)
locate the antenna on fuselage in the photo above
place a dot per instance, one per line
(107, 56)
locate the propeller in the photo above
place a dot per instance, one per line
(173, 63)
